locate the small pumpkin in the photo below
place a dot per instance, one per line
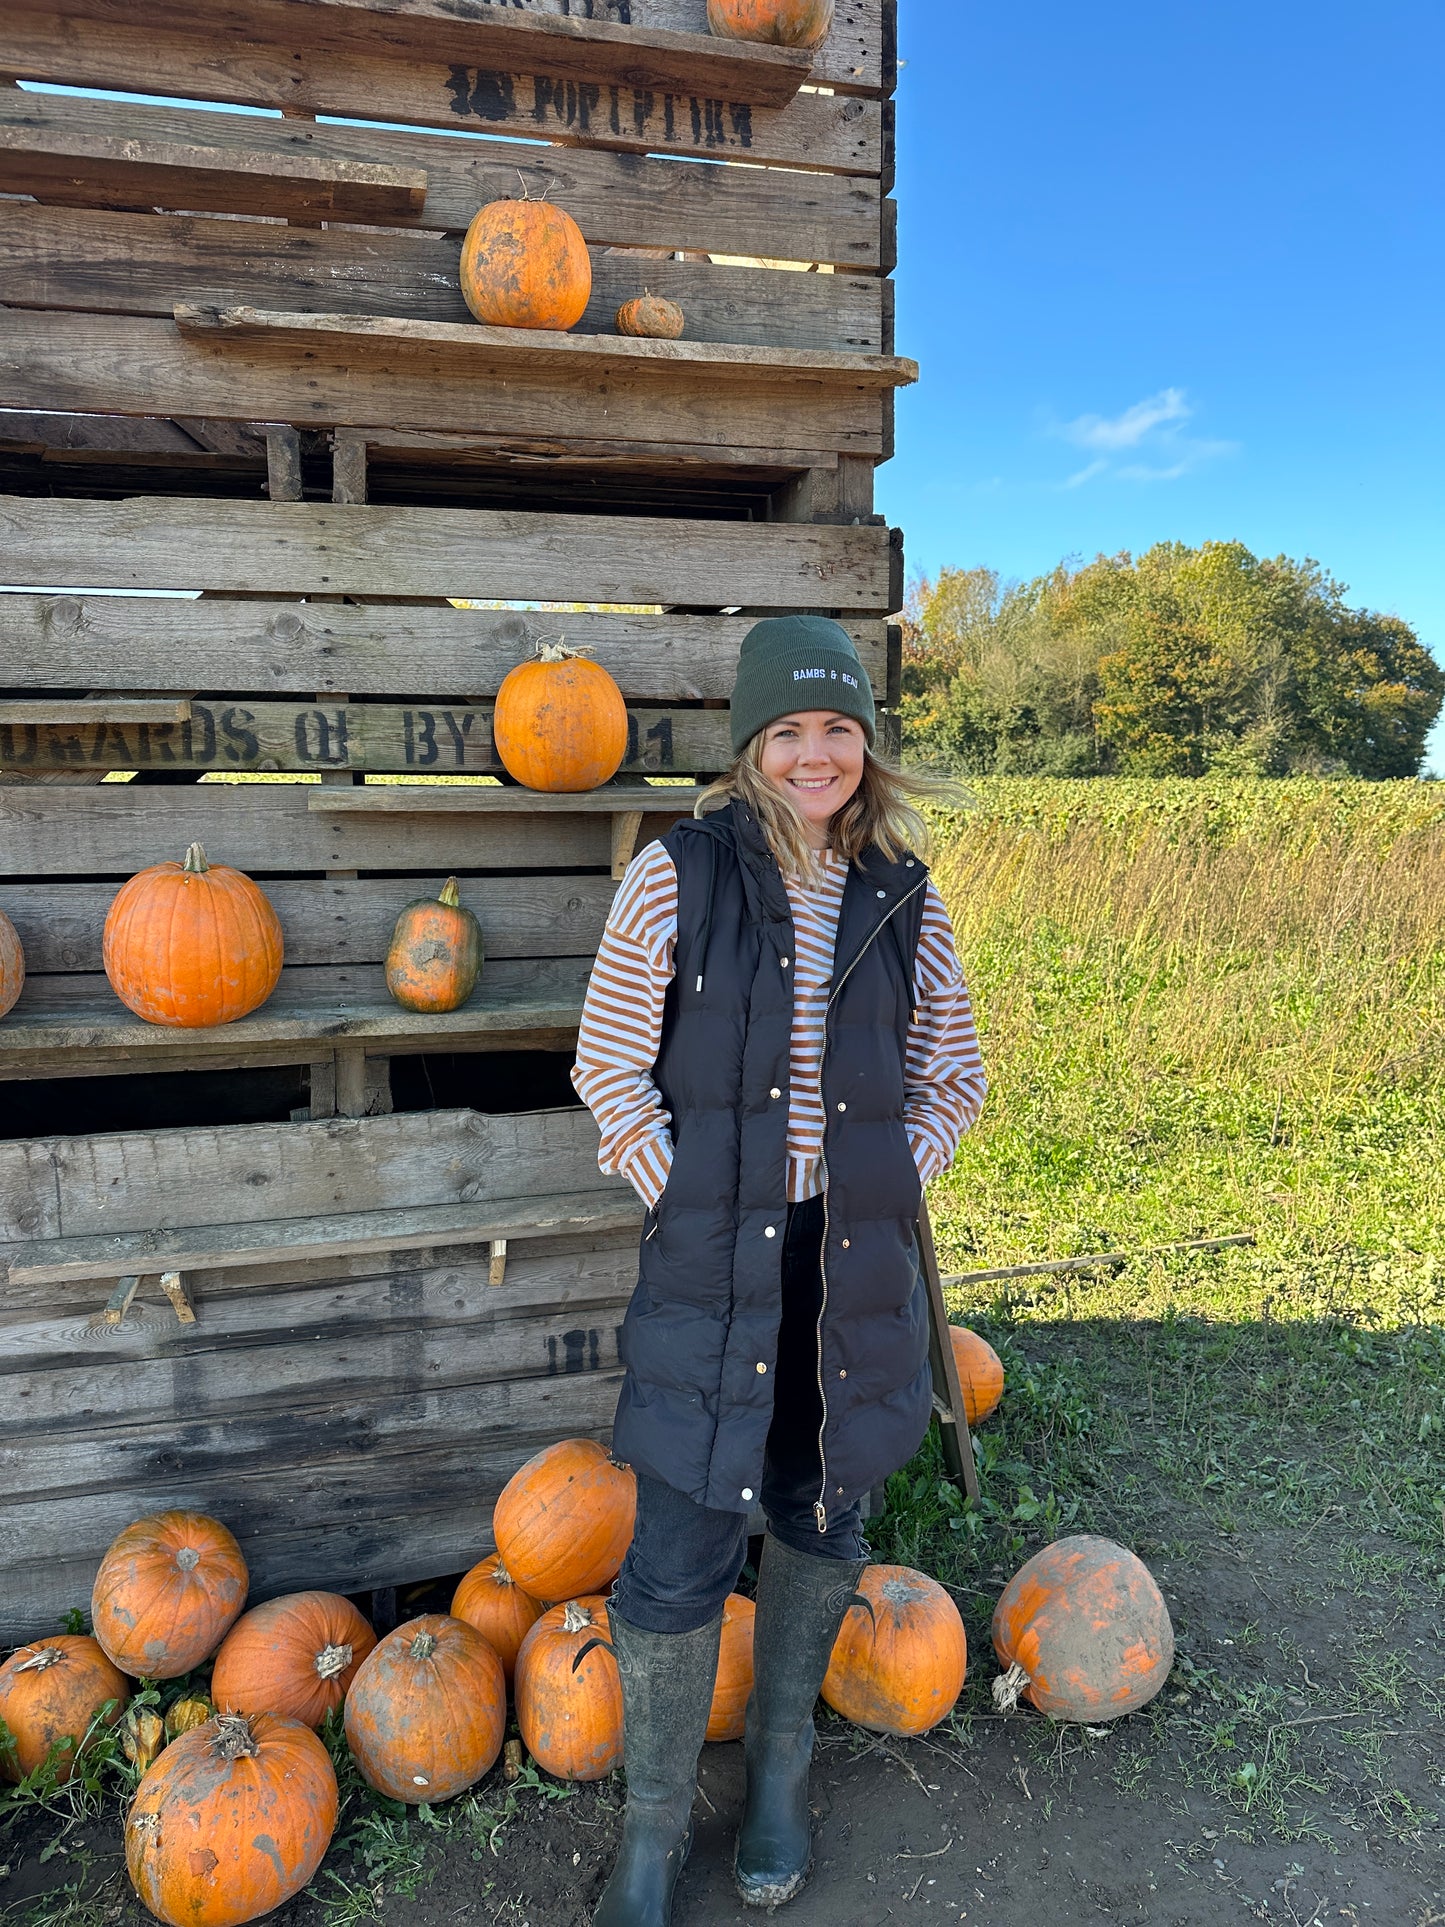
(167, 1593)
(192, 944)
(12, 965)
(492, 1601)
(564, 1520)
(525, 265)
(435, 954)
(1083, 1632)
(651, 314)
(295, 1656)
(232, 1820)
(778, 23)
(184, 1716)
(560, 722)
(980, 1373)
(569, 1692)
(899, 1662)
(142, 1737)
(427, 1710)
(734, 1681)
(54, 1693)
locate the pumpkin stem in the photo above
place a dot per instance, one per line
(1008, 1686)
(41, 1660)
(196, 861)
(234, 1739)
(449, 894)
(188, 1558)
(423, 1646)
(555, 649)
(501, 1576)
(332, 1660)
(575, 1618)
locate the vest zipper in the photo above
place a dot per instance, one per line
(820, 1508)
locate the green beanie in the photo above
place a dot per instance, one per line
(794, 663)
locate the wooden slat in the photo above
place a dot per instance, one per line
(61, 712)
(405, 799)
(319, 549)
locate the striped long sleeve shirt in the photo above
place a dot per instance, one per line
(621, 1031)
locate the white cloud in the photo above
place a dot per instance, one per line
(1113, 432)
(1153, 430)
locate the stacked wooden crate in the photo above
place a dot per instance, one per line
(240, 369)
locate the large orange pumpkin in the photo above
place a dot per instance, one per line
(167, 1593)
(898, 1668)
(435, 954)
(427, 1710)
(734, 1681)
(492, 1601)
(780, 23)
(234, 1818)
(564, 1521)
(980, 1373)
(560, 722)
(12, 964)
(1083, 1632)
(192, 944)
(294, 1656)
(569, 1706)
(526, 265)
(53, 1692)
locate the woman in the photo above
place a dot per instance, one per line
(778, 1048)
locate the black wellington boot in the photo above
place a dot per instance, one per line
(667, 1687)
(801, 1602)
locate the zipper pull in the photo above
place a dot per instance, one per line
(820, 1513)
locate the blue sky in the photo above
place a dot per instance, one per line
(1175, 272)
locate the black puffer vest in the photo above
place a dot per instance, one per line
(703, 1323)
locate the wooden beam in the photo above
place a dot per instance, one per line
(467, 799)
(59, 713)
(283, 464)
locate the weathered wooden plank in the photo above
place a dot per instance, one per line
(318, 548)
(132, 365)
(55, 641)
(48, 714)
(476, 799)
(29, 1193)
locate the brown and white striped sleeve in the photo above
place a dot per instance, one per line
(944, 1082)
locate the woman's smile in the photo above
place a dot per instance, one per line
(816, 758)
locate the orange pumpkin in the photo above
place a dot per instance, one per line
(569, 1707)
(526, 265)
(55, 1692)
(12, 964)
(564, 1521)
(980, 1373)
(435, 954)
(734, 1670)
(192, 944)
(427, 1710)
(492, 1601)
(900, 1667)
(780, 23)
(1083, 1632)
(651, 314)
(560, 722)
(166, 1594)
(295, 1656)
(234, 1818)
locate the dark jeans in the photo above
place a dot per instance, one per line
(685, 1558)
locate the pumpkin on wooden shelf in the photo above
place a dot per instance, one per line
(778, 23)
(560, 722)
(569, 1692)
(734, 1681)
(435, 954)
(232, 1820)
(56, 1692)
(899, 1662)
(492, 1601)
(980, 1373)
(525, 265)
(652, 315)
(295, 1656)
(427, 1710)
(1083, 1632)
(166, 1594)
(12, 964)
(192, 944)
(564, 1520)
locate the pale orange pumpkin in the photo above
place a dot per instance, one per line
(167, 1593)
(56, 1692)
(12, 965)
(1083, 1632)
(899, 1667)
(564, 1520)
(651, 315)
(560, 722)
(295, 1656)
(435, 954)
(980, 1373)
(492, 1601)
(525, 265)
(569, 1698)
(778, 23)
(192, 944)
(427, 1710)
(734, 1681)
(234, 1818)
(184, 1716)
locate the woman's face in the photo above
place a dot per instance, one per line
(815, 757)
